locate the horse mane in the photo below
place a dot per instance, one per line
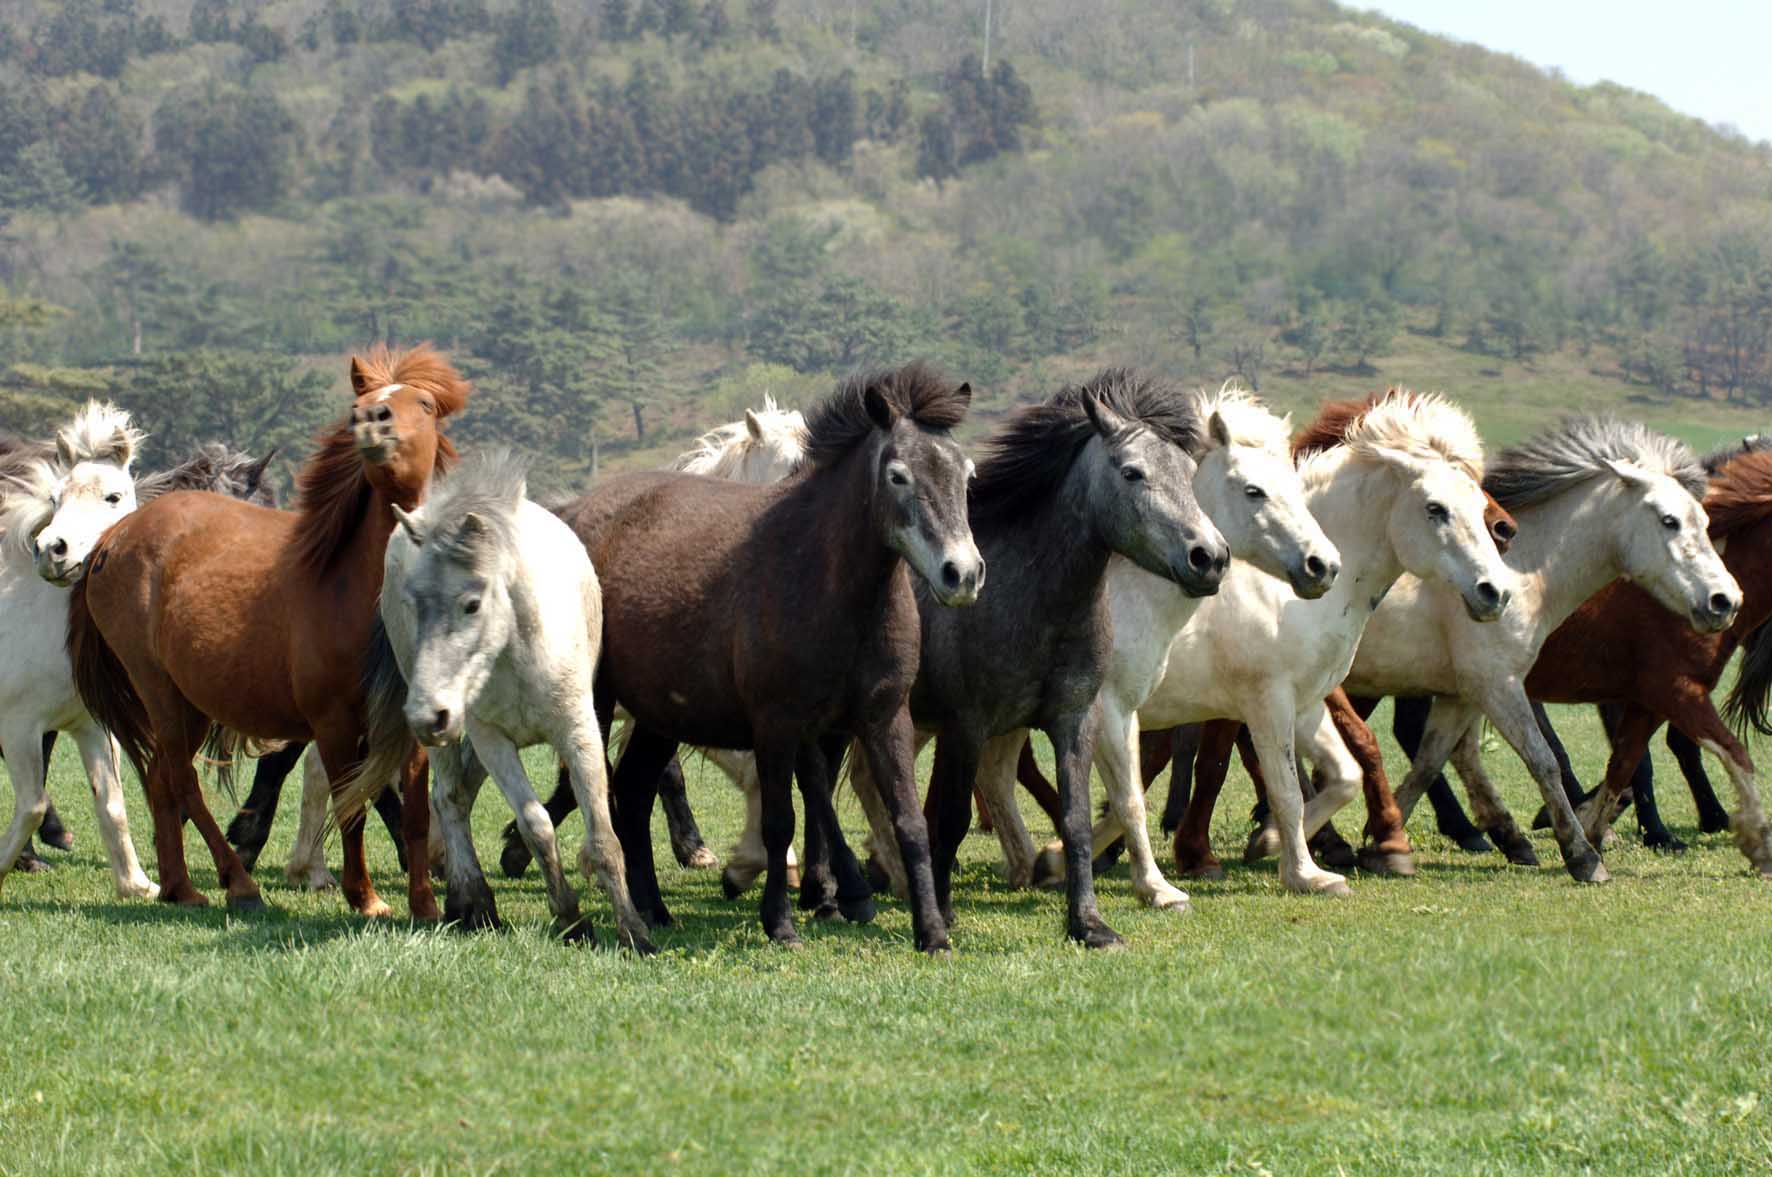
(1245, 418)
(1423, 425)
(840, 422)
(99, 432)
(1740, 493)
(28, 480)
(1331, 422)
(1753, 443)
(214, 467)
(1577, 450)
(720, 451)
(491, 484)
(1027, 458)
(331, 490)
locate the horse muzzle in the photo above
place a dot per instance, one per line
(1715, 614)
(1485, 601)
(57, 568)
(1313, 576)
(434, 726)
(1202, 570)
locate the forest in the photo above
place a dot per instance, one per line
(629, 218)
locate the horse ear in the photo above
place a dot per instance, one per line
(409, 524)
(64, 448)
(359, 378)
(1631, 474)
(122, 444)
(1106, 421)
(1219, 431)
(255, 473)
(963, 394)
(473, 527)
(753, 426)
(880, 410)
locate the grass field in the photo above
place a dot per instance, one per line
(1476, 1018)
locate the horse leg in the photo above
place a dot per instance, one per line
(1272, 726)
(1117, 756)
(1408, 723)
(686, 843)
(242, 889)
(985, 821)
(1690, 707)
(307, 859)
(1507, 707)
(854, 899)
(1193, 837)
(1655, 833)
(1109, 832)
(1156, 751)
(505, 766)
(1712, 817)
(22, 745)
(251, 826)
(102, 760)
(748, 858)
(415, 830)
(890, 748)
(1073, 748)
(818, 887)
(775, 774)
(338, 753)
(515, 858)
(1027, 771)
(635, 786)
(52, 833)
(1492, 814)
(1628, 729)
(946, 809)
(600, 854)
(468, 903)
(884, 859)
(392, 812)
(1386, 850)
(1184, 746)
(997, 763)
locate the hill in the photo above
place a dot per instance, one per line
(629, 218)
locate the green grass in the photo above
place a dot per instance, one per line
(1475, 1018)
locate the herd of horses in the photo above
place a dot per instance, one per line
(1151, 577)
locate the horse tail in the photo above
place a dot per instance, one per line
(103, 684)
(1747, 704)
(389, 738)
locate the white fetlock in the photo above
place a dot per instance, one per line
(1163, 897)
(315, 877)
(142, 888)
(1321, 882)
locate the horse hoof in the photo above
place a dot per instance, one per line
(1336, 854)
(1474, 843)
(246, 903)
(789, 940)
(376, 908)
(514, 859)
(1048, 870)
(1713, 823)
(638, 944)
(1515, 846)
(1388, 863)
(579, 933)
(1171, 900)
(185, 898)
(1587, 868)
(1263, 843)
(1663, 842)
(1099, 936)
(700, 858)
(732, 884)
(1541, 820)
(857, 911)
(30, 864)
(660, 917)
(1211, 869)
(878, 878)
(472, 918)
(1109, 858)
(58, 840)
(137, 891)
(425, 911)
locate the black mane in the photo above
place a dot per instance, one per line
(836, 424)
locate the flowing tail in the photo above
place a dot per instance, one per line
(1746, 706)
(103, 683)
(390, 740)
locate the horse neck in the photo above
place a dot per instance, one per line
(1748, 556)
(1564, 550)
(368, 545)
(831, 516)
(1353, 508)
(1057, 540)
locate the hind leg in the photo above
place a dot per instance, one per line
(307, 859)
(686, 844)
(99, 754)
(338, 745)
(179, 778)
(850, 894)
(251, 826)
(1193, 837)
(998, 764)
(52, 833)
(1712, 817)
(889, 743)
(502, 760)
(415, 833)
(635, 785)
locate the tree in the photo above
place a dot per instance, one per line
(1366, 330)
(39, 180)
(937, 158)
(134, 277)
(100, 144)
(528, 35)
(254, 401)
(234, 150)
(637, 336)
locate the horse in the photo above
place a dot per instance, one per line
(1597, 498)
(1099, 470)
(781, 618)
(764, 447)
(198, 610)
(1399, 494)
(1247, 485)
(490, 623)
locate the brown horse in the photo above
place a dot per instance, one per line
(200, 611)
(781, 618)
(1621, 647)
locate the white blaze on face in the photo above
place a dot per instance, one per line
(387, 391)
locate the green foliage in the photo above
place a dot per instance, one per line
(233, 150)
(528, 35)
(253, 400)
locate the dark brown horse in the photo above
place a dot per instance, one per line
(200, 610)
(781, 618)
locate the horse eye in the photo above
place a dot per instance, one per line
(113, 498)
(1255, 492)
(898, 477)
(1671, 523)
(1437, 512)
(428, 406)
(471, 606)
(1132, 474)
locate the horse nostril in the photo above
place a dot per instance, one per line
(384, 414)
(1314, 567)
(950, 575)
(1720, 603)
(1488, 593)
(440, 721)
(59, 548)
(1200, 558)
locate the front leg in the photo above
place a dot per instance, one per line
(1272, 726)
(600, 855)
(853, 898)
(775, 773)
(1508, 709)
(98, 752)
(502, 761)
(1117, 748)
(468, 902)
(889, 744)
(1467, 758)
(1073, 749)
(948, 809)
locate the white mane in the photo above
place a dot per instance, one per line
(1422, 425)
(27, 503)
(99, 432)
(720, 451)
(1249, 422)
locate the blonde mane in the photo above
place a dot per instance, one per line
(27, 503)
(1246, 419)
(1421, 425)
(99, 432)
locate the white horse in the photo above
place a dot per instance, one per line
(764, 447)
(1401, 494)
(1249, 487)
(1596, 499)
(491, 623)
(53, 507)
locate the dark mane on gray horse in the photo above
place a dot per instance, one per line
(1027, 459)
(918, 391)
(214, 467)
(1577, 450)
(1753, 443)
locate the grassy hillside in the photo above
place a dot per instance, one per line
(629, 218)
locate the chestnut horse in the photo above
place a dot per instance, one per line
(781, 618)
(199, 610)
